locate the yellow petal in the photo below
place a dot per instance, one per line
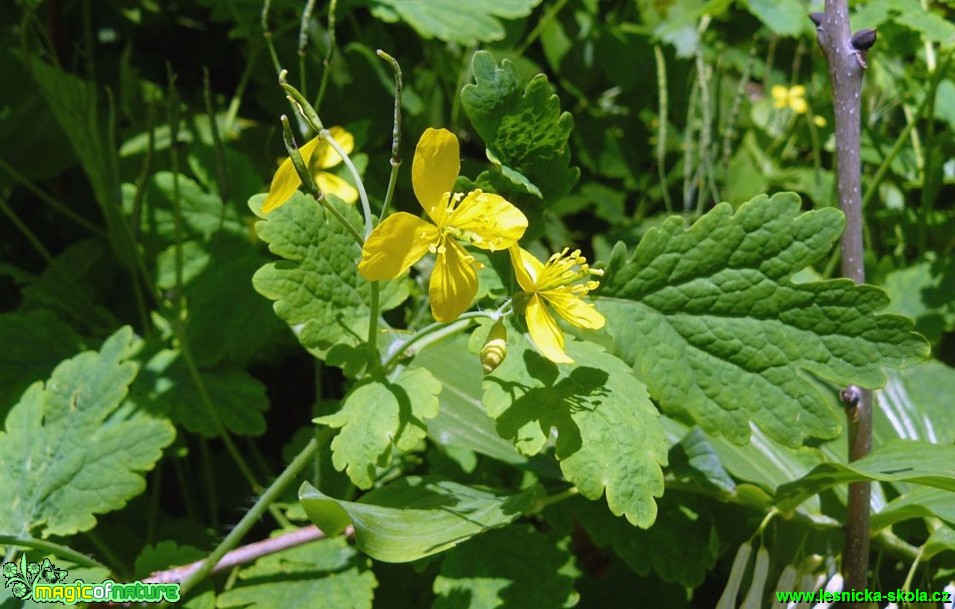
(394, 245)
(799, 105)
(453, 283)
(329, 182)
(574, 310)
(326, 156)
(527, 268)
(544, 331)
(781, 95)
(495, 223)
(286, 181)
(797, 91)
(435, 167)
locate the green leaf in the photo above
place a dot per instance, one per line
(932, 27)
(923, 293)
(920, 502)
(465, 23)
(70, 451)
(916, 404)
(203, 213)
(378, 414)
(416, 517)
(72, 283)
(609, 436)
(653, 549)
(164, 386)
(941, 540)
(712, 321)
(76, 107)
(163, 555)
(229, 321)
(317, 289)
(783, 17)
(34, 343)
(327, 569)
(503, 568)
(523, 128)
(462, 420)
(896, 461)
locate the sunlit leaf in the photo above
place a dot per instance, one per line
(896, 461)
(710, 318)
(70, 450)
(465, 23)
(378, 415)
(609, 437)
(415, 517)
(316, 288)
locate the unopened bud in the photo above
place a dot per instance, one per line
(495, 348)
(863, 39)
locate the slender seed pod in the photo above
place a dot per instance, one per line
(495, 348)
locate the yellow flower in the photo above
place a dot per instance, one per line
(555, 285)
(792, 97)
(482, 219)
(317, 155)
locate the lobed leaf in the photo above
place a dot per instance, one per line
(712, 321)
(378, 414)
(609, 437)
(523, 128)
(164, 386)
(465, 23)
(69, 451)
(316, 288)
(34, 343)
(686, 562)
(492, 570)
(415, 517)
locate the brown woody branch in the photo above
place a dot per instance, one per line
(846, 56)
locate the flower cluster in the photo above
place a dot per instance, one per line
(794, 98)
(486, 221)
(452, 220)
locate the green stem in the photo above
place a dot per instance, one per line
(550, 500)
(310, 187)
(252, 516)
(327, 62)
(50, 199)
(303, 41)
(25, 541)
(200, 385)
(662, 117)
(395, 134)
(548, 16)
(437, 331)
(110, 555)
(326, 135)
(267, 35)
(373, 306)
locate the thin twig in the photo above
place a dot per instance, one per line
(243, 555)
(846, 57)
